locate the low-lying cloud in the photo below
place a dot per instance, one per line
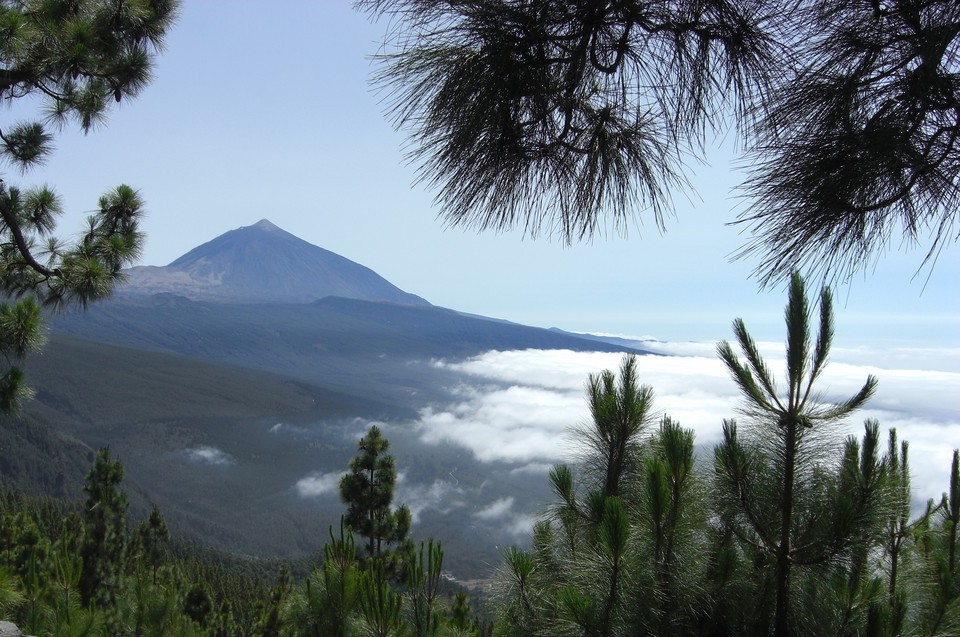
(517, 423)
(519, 407)
(442, 496)
(318, 484)
(496, 509)
(501, 511)
(211, 456)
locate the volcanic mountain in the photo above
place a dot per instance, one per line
(263, 264)
(233, 381)
(260, 298)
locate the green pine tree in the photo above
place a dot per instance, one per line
(621, 550)
(76, 58)
(152, 537)
(327, 601)
(423, 590)
(935, 569)
(367, 489)
(778, 486)
(104, 543)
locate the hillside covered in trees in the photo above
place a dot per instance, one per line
(787, 530)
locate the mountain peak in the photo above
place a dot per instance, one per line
(263, 263)
(265, 224)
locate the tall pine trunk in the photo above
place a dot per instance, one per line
(781, 624)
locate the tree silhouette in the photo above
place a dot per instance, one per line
(558, 116)
(568, 117)
(860, 145)
(153, 536)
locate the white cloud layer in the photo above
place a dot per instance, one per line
(521, 406)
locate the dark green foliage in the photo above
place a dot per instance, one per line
(936, 570)
(245, 582)
(423, 589)
(671, 499)
(327, 601)
(152, 537)
(105, 538)
(19, 334)
(519, 596)
(367, 489)
(192, 592)
(222, 622)
(270, 622)
(53, 516)
(616, 553)
(952, 513)
(459, 615)
(77, 58)
(380, 604)
(39, 459)
(344, 597)
(899, 535)
(197, 605)
(619, 410)
(775, 490)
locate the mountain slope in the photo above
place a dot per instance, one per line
(379, 351)
(241, 460)
(263, 264)
(202, 440)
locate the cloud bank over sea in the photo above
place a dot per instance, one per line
(514, 414)
(521, 407)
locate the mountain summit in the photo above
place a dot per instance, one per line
(262, 264)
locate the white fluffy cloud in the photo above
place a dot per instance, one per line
(501, 511)
(210, 455)
(317, 484)
(521, 405)
(517, 423)
(496, 509)
(442, 496)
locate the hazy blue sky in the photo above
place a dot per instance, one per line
(261, 111)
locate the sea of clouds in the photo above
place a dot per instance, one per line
(521, 407)
(519, 412)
